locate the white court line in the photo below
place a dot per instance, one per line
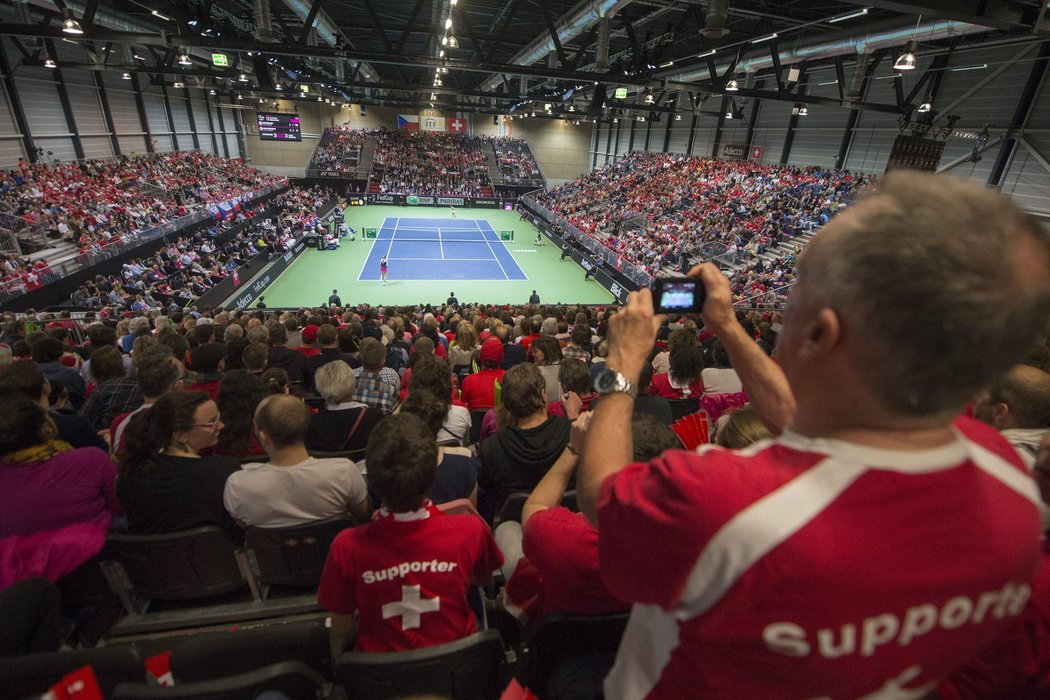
(492, 250)
(441, 246)
(392, 237)
(447, 259)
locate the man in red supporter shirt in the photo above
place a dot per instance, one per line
(309, 344)
(879, 542)
(479, 389)
(406, 574)
(208, 361)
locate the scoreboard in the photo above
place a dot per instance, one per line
(279, 127)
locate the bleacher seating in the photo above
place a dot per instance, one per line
(427, 163)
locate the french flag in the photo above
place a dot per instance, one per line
(409, 122)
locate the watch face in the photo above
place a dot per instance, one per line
(605, 381)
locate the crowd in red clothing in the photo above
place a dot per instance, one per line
(683, 202)
(95, 203)
(428, 163)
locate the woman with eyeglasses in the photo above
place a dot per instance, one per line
(164, 484)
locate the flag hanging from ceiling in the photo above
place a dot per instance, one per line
(457, 125)
(409, 122)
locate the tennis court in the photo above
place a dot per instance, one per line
(440, 249)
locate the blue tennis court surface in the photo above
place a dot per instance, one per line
(440, 249)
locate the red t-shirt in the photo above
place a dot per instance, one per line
(479, 389)
(661, 386)
(559, 571)
(835, 570)
(408, 574)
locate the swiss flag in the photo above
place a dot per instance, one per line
(457, 126)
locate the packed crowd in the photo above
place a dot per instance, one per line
(872, 540)
(429, 163)
(98, 202)
(684, 202)
(515, 161)
(183, 270)
(340, 148)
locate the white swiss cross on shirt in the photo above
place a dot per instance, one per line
(457, 125)
(410, 607)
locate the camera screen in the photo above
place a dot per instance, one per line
(677, 295)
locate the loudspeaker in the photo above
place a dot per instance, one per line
(262, 72)
(598, 102)
(495, 120)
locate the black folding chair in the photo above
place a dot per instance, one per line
(467, 669)
(32, 675)
(576, 647)
(293, 556)
(292, 678)
(683, 407)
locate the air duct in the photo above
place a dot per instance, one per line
(263, 20)
(856, 88)
(572, 24)
(715, 25)
(884, 35)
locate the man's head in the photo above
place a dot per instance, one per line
(573, 375)
(1020, 399)
(157, 371)
(975, 263)
(255, 357)
(402, 461)
(335, 381)
(524, 391)
(373, 354)
(281, 422)
(24, 379)
(46, 350)
(327, 336)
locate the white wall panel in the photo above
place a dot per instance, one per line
(56, 148)
(155, 113)
(231, 143)
(10, 151)
(132, 145)
(680, 134)
(87, 108)
(124, 110)
(41, 105)
(96, 146)
(178, 112)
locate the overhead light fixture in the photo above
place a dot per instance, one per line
(678, 117)
(732, 86)
(641, 118)
(159, 15)
(803, 111)
(649, 99)
(319, 98)
(851, 15)
(212, 92)
(240, 97)
(729, 114)
(433, 96)
(441, 53)
(453, 42)
(177, 84)
(705, 54)
(243, 78)
(667, 65)
(760, 39)
(965, 68)
(924, 108)
(127, 76)
(70, 25)
(184, 60)
(906, 61)
(533, 113)
(616, 120)
(448, 23)
(572, 108)
(260, 100)
(438, 83)
(444, 41)
(278, 87)
(49, 62)
(577, 122)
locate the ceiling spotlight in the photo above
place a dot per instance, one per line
(50, 63)
(577, 122)
(843, 18)
(240, 97)
(732, 86)
(437, 82)
(906, 61)
(278, 87)
(533, 113)
(448, 23)
(803, 111)
(184, 60)
(616, 120)
(444, 41)
(433, 95)
(127, 76)
(453, 42)
(441, 53)
(641, 118)
(729, 114)
(318, 98)
(572, 108)
(243, 78)
(452, 3)
(260, 100)
(649, 99)
(212, 92)
(678, 117)
(157, 14)
(70, 25)
(177, 84)
(924, 108)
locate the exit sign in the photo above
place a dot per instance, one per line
(220, 59)
(304, 88)
(620, 94)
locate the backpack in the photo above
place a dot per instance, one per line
(396, 358)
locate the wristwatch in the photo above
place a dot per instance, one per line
(609, 381)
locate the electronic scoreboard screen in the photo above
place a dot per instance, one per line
(279, 127)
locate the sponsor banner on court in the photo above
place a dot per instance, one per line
(251, 293)
(450, 201)
(485, 204)
(385, 199)
(415, 200)
(402, 200)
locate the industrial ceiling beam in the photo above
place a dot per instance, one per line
(995, 14)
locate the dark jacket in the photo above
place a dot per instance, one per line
(513, 354)
(291, 361)
(316, 362)
(514, 460)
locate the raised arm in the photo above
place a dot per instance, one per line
(766, 386)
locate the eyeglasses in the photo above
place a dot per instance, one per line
(211, 425)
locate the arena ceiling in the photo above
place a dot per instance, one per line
(503, 55)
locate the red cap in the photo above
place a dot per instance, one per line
(309, 334)
(491, 352)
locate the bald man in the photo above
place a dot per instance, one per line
(1018, 406)
(293, 488)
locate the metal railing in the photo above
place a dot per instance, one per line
(127, 243)
(590, 242)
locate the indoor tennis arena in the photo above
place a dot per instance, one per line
(524, 349)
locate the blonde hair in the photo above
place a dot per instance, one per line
(740, 429)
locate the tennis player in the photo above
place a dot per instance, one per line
(383, 269)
